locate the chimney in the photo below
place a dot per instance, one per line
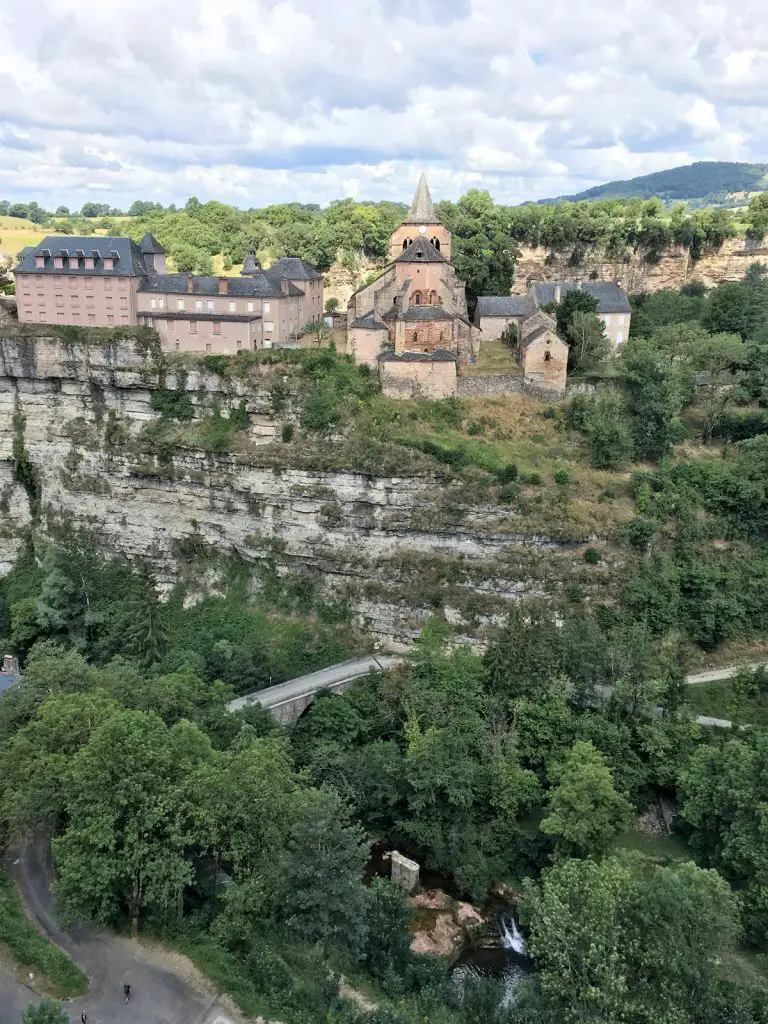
(223, 286)
(284, 285)
(190, 284)
(557, 294)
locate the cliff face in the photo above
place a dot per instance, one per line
(673, 270)
(396, 549)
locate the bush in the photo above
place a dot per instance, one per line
(562, 476)
(591, 556)
(508, 474)
(287, 433)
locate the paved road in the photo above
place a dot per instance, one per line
(344, 672)
(723, 673)
(164, 990)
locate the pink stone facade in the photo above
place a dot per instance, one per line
(82, 301)
(112, 282)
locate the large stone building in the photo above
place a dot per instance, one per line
(108, 282)
(494, 313)
(417, 304)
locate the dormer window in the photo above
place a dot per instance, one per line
(40, 262)
(74, 263)
(108, 263)
(58, 263)
(89, 262)
(419, 255)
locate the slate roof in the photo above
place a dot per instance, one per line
(610, 297)
(539, 333)
(181, 314)
(128, 263)
(259, 286)
(369, 323)
(440, 355)
(422, 210)
(536, 320)
(428, 313)
(151, 245)
(420, 251)
(504, 305)
(293, 269)
(250, 264)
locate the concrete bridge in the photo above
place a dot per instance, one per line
(288, 701)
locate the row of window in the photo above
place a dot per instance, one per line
(74, 283)
(73, 262)
(74, 300)
(158, 302)
(75, 317)
(619, 319)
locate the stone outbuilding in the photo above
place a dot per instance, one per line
(543, 354)
(495, 313)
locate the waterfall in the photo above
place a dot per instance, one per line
(511, 937)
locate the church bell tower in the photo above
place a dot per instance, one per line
(421, 222)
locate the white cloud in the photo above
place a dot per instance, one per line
(254, 101)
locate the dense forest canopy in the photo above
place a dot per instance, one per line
(706, 180)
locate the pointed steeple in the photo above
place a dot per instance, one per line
(251, 265)
(422, 211)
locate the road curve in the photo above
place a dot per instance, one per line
(163, 989)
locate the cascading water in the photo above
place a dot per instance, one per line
(507, 962)
(511, 936)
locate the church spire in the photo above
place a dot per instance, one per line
(422, 211)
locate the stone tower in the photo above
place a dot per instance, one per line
(422, 222)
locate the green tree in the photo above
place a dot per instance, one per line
(126, 842)
(656, 392)
(720, 359)
(575, 300)
(618, 940)
(723, 792)
(45, 1012)
(321, 890)
(585, 811)
(728, 310)
(608, 431)
(588, 346)
(387, 948)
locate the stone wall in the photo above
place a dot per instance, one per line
(397, 550)
(673, 270)
(501, 384)
(410, 379)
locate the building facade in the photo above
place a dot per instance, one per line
(494, 313)
(109, 282)
(418, 303)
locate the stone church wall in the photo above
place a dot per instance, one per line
(418, 380)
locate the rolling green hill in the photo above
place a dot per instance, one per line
(707, 181)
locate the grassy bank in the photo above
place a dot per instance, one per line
(54, 973)
(726, 698)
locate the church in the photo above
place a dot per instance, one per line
(416, 310)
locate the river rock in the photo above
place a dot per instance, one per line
(440, 940)
(432, 899)
(467, 915)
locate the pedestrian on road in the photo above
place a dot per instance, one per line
(83, 1018)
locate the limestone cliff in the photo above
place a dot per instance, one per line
(395, 548)
(674, 269)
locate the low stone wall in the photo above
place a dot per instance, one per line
(502, 384)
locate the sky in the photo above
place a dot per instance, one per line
(259, 101)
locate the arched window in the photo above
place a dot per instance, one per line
(406, 243)
(433, 298)
(442, 337)
(547, 356)
(417, 298)
(436, 242)
(415, 337)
